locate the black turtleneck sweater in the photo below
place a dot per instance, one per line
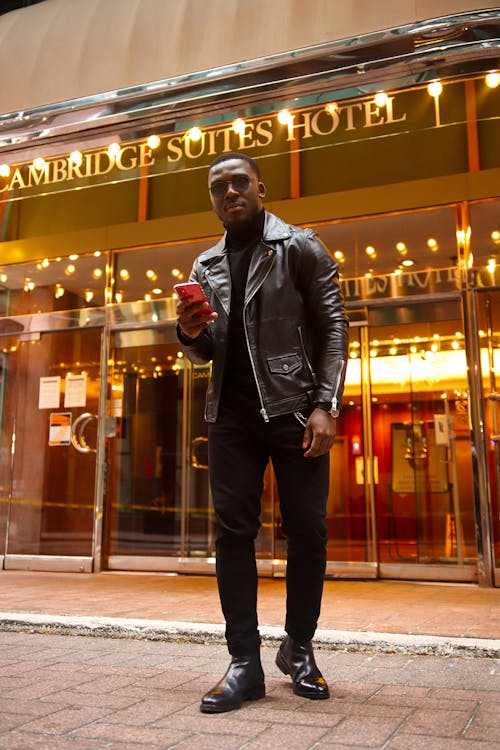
(239, 380)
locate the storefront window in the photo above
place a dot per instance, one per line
(70, 282)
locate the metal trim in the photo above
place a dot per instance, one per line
(479, 451)
(347, 570)
(418, 572)
(435, 48)
(125, 316)
(49, 563)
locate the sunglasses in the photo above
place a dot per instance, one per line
(240, 183)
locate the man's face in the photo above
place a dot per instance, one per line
(235, 191)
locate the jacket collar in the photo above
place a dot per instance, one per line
(274, 230)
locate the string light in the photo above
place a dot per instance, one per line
(194, 134)
(380, 99)
(492, 79)
(113, 149)
(285, 117)
(435, 88)
(238, 126)
(153, 141)
(4, 170)
(76, 158)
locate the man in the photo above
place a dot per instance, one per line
(277, 338)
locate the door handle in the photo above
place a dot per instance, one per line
(198, 447)
(77, 433)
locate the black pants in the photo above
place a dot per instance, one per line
(240, 445)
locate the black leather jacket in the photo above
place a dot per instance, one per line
(294, 317)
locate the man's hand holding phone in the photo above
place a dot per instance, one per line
(194, 313)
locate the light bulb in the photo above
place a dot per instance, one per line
(492, 79)
(380, 99)
(194, 134)
(284, 117)
(435, 88)
(153, 141)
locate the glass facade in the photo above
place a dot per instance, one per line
(103, 441)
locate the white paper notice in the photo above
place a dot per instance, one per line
(75, 393)
(49, 394)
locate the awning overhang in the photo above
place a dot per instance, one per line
(84, 66)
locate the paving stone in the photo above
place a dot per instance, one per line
(384, 702)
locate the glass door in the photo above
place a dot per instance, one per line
(351, 549)
(489, 343)
(144, 509)
(49, 380)
(8, 378)
(422, 448)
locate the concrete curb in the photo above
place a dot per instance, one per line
(200, 632)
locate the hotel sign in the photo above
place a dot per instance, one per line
(432, 281)
(307, 128)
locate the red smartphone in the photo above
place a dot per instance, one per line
(193, 292)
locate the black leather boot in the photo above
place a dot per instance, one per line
(297, 660)
(243, 681)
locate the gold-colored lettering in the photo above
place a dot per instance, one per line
(349, 109)
(17, 179)
(333, 125)
(36, 176)
(187, 147)
(390, 111)
(371, 113)
(59, 170)
(306, 124)
(131, 163)
(211, 142)
(146, 158)
(174, 150)
(267, 135)
(98, 157)
(74, 170)
(246, 137)
(226, 132)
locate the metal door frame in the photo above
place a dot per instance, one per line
(488, 575)
(28, 327)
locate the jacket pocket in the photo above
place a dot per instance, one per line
(284, 365)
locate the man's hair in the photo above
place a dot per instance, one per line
(234, 155)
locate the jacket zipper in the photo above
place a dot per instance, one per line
(335, 400)
(263, 411)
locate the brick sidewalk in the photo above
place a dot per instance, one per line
(84, 693)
